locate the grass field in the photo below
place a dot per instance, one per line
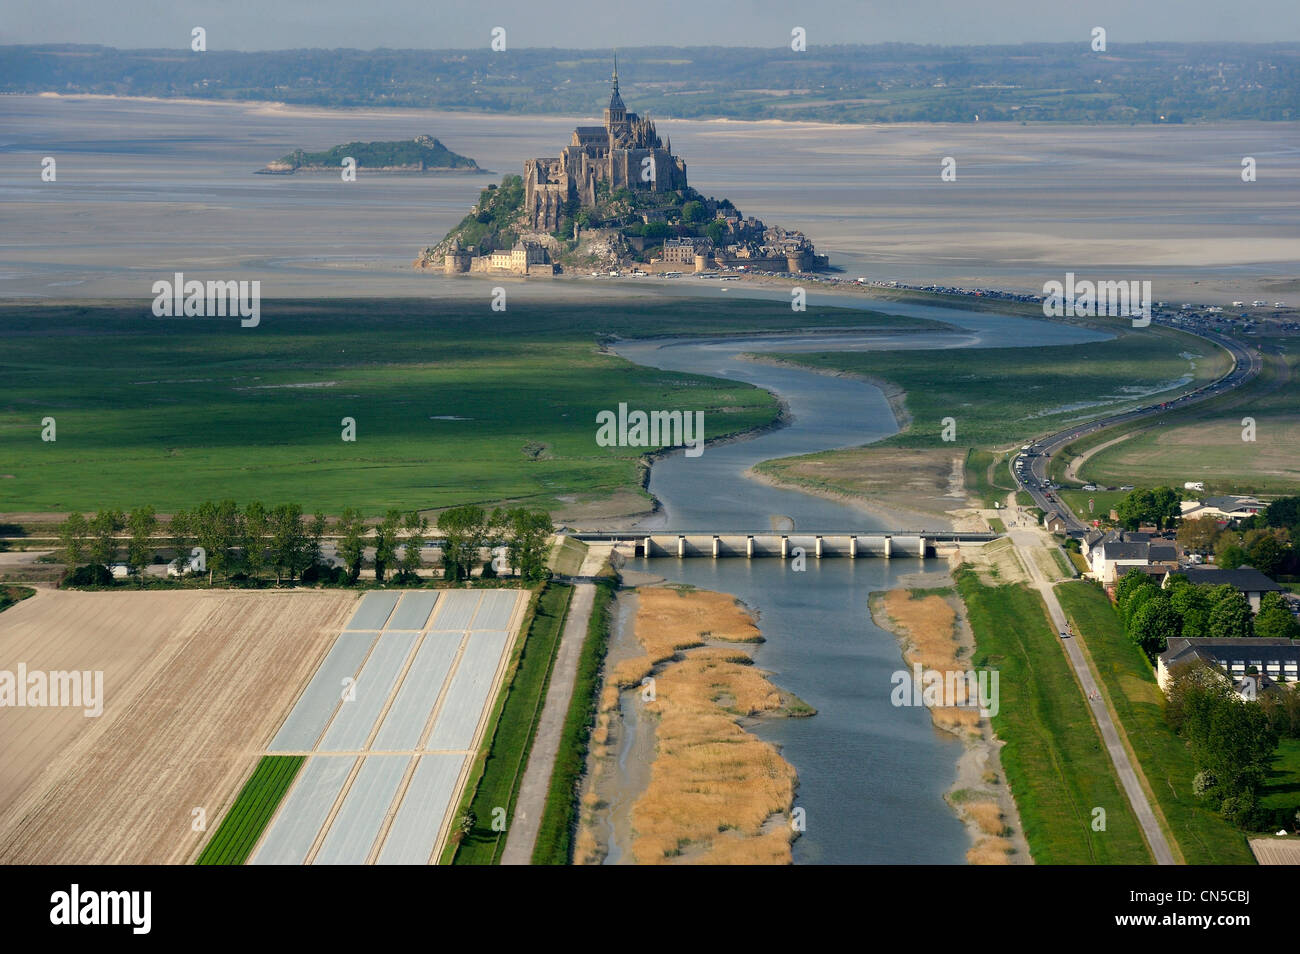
(987, 478)
(1003, 396)
(1283, 787)
(234, 840)
(1062, 563)
(555, 836)
(1204, 442)
(1054, 760)
(516, 726)
(1201, 836)
(567, 558)
(449, 406)
(1103, 501)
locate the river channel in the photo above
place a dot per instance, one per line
(871, 776)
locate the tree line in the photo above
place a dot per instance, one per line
(245, 543)
(1152, 616)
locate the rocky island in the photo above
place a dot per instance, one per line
(615, 196)
(421, 155)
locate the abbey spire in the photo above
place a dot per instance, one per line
(616, 112)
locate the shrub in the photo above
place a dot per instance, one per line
(92, 574)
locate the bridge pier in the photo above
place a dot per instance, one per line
(749, 547)
(921, 549)
(785, 547)
(819, 548)
(681, 546)
(853, 548)
(889, 547)
(716, 546)
(646, 547)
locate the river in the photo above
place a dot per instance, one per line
(871, 775)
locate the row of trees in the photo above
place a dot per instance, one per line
(250, 540)
(1153, 616)
(521, 537)
(96, 540)
(283, 539)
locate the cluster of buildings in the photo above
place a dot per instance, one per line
(626, 152)
(524, 258)
(1251, 664)
(747, 244)
(1113, 553)
(1222, 509)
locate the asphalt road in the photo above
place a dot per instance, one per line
(1128, 777)
(1246, 365)
(1033, 478)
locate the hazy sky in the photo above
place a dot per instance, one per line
(438, 24)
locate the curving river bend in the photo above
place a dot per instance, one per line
(871, 776)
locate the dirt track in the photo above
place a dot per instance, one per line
(195, 684)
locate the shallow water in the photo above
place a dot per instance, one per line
(146, 188)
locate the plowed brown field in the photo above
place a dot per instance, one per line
(195, 684)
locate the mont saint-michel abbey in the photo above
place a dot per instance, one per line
(625, 152)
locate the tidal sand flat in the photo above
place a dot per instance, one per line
(715, 793)
(1164, 203)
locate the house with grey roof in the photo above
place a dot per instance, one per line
(1222, 508)
(1274, 660)
(1117, 552)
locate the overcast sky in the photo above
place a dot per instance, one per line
(438, 24)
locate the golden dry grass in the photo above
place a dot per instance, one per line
(991, 851)
(670, 620)
(988, 816)
(929, 627)
(713, 786)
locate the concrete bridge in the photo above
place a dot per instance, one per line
(785, 546)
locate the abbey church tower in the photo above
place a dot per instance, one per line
(625, 153)
(615, 112)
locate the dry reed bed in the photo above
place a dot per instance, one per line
(717, 794)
